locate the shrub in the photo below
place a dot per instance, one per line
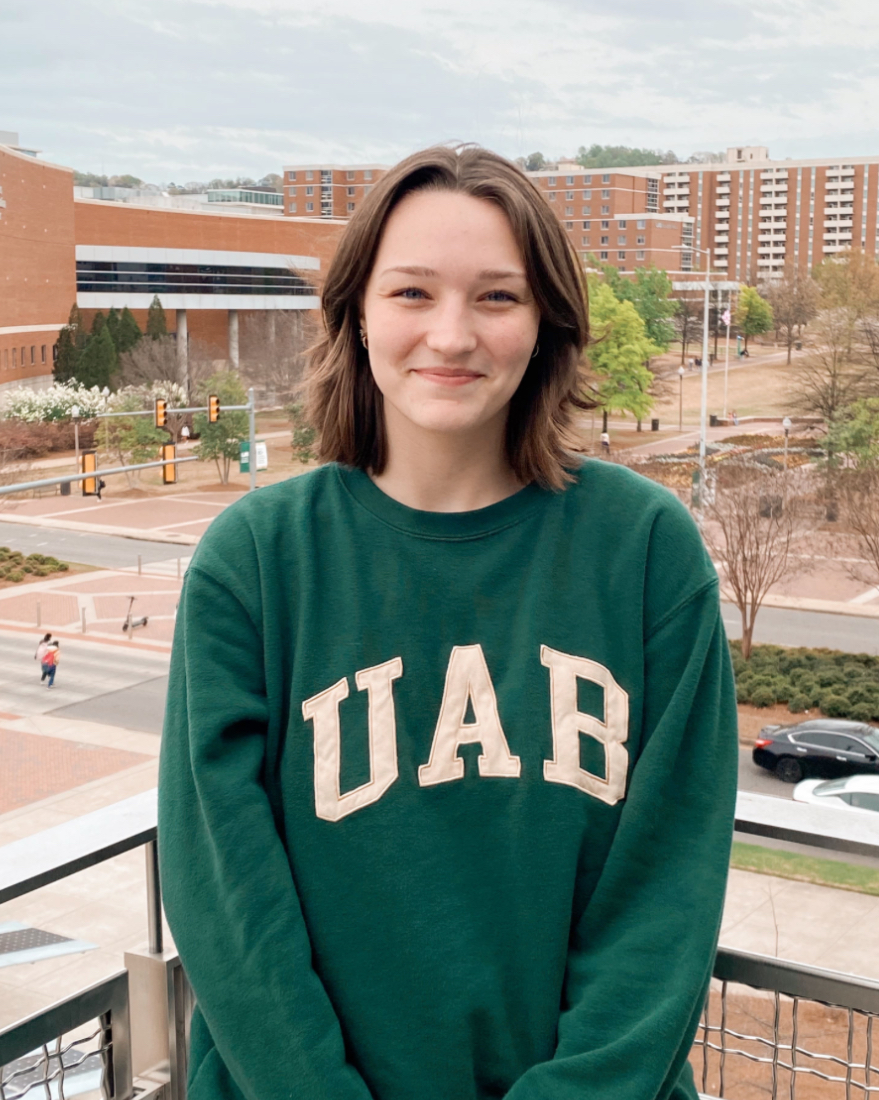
(861, 712)
(799, 703)
(763, 697)
(52, 403)
(743, 693)
(835, 705)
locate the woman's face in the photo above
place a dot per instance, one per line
(449, 316)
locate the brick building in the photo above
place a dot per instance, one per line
(210, 267)
(328, 190)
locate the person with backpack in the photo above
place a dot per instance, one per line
(40, 654)
(50, 662)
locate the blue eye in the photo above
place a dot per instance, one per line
(411, 292)
(499, 296)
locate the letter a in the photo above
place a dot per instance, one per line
(323, 709)
(468, 680)
(568, 723)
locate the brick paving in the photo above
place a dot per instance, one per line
(37, 767)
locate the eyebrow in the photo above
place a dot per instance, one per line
(429, 273)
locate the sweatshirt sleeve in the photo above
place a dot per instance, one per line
(641, 954)
(229, 894)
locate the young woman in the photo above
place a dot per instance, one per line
(448, 770)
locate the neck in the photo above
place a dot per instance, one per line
(447, 472)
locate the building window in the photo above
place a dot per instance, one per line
(569, 210)
(292, 192)
(621, 255)
(605, 225)
(309, 175)
(569, 225)
(605, 194)
(551, 181)
(350, 191)
(350, 175)
(602, 255)
(14, 363)
(569, 180)
(621, 239)
(292, 208)
(291, 176)
(587, 194)
(605, 240)
(569, 195)
(309, 206)
(367, 175)
(587, 225)
(586, 210)
(350, 207)
(23, 357)
(640, 254)
(642, 224)
(367, 188)
(585, 241)
(641, 240)
(552, 196)
(605, 209)
(622, 268)
(621, 224)
(33, 354)
(54, 352)
(605, 178)
(309, 190)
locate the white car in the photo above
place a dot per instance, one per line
(855, 792)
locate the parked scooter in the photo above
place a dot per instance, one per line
(130, 623)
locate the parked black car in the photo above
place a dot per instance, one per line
(825, 747)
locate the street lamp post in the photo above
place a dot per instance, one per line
(681, 373)
(703, 418)
(786, 424)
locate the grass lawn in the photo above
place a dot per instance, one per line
(755, 389)
(822, 872)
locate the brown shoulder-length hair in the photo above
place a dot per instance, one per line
(342, 400)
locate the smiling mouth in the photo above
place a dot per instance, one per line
(448, 376)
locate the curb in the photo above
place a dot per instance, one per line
(169, 537)
(797, 603)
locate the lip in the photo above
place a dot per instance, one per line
(447, 376)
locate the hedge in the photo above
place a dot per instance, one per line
(839, 685)
(15, 566)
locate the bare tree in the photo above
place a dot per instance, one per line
(834, 373)
(273, 347)
(795, 301)
(755, 524)
(149, 361)
(688, 322)
(858, 493)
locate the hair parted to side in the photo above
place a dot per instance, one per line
(342, 400)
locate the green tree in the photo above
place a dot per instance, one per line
(98, 322)
(621, 156)
(619, 354)
(650, 293)
(113, 318)
(70, 344)
(220, 442)
(130, 440)
(849, 280)
(97, 363)
(534, 162)
(856, 433)
(753, 314)
(128, 332)
(156, 325)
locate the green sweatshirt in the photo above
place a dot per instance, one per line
(446, 800)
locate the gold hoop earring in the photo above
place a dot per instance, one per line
(363, 339)
(536, 350)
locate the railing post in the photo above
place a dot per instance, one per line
(154, 898)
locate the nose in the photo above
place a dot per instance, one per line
(451, 332)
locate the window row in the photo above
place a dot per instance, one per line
(349, 175)
(11, 362)
(569, 180)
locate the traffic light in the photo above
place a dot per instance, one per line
(169, 472)
(213, 408)
(161, 413)
(88, 465)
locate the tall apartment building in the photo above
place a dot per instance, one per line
(617, 216)
(763, 218)
(328, 190)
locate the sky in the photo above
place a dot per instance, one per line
(182, 90)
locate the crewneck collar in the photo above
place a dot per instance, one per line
(440, 525)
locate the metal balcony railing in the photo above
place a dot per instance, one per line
(771, 1027)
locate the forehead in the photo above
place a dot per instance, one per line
(429, 227)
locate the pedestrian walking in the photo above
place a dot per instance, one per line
(50, 662)
(604, 439)
(40, 654)
(735, 418)
(433, 811)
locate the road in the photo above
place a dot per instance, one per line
(107, 551)
(780, 626)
